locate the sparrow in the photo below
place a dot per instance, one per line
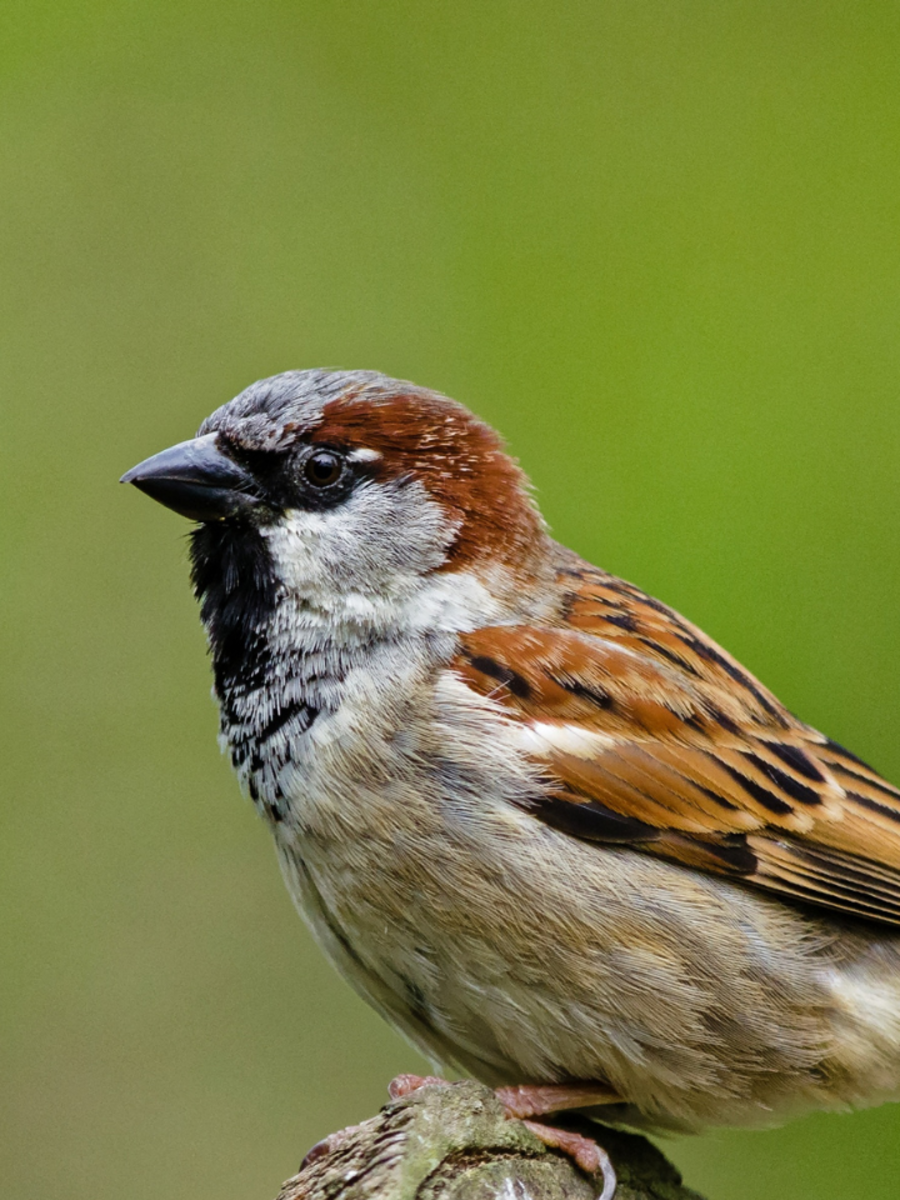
(553, 833)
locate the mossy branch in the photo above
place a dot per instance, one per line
(454, 1143)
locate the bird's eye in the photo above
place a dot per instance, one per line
(323, 468)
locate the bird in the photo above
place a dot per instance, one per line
(550, 830)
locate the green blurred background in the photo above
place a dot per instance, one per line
(657, 244)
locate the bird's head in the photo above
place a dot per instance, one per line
(367, 500)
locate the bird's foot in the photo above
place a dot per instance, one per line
(584, 1151)
(535, 1100)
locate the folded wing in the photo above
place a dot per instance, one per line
(653, 736)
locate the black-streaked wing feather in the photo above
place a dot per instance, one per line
(651, 735)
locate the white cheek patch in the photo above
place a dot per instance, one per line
(374, 563)
(293, 543)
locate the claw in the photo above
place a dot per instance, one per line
(585, 1153)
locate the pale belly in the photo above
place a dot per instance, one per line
(509, 951)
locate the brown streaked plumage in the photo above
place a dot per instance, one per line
(457, 458)
(704, 764)
(544, 825)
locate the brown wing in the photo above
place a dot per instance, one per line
(653, 736)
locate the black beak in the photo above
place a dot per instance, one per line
(196, 479)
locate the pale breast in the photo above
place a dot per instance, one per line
(513, 952)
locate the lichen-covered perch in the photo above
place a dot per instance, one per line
(453, 1142)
